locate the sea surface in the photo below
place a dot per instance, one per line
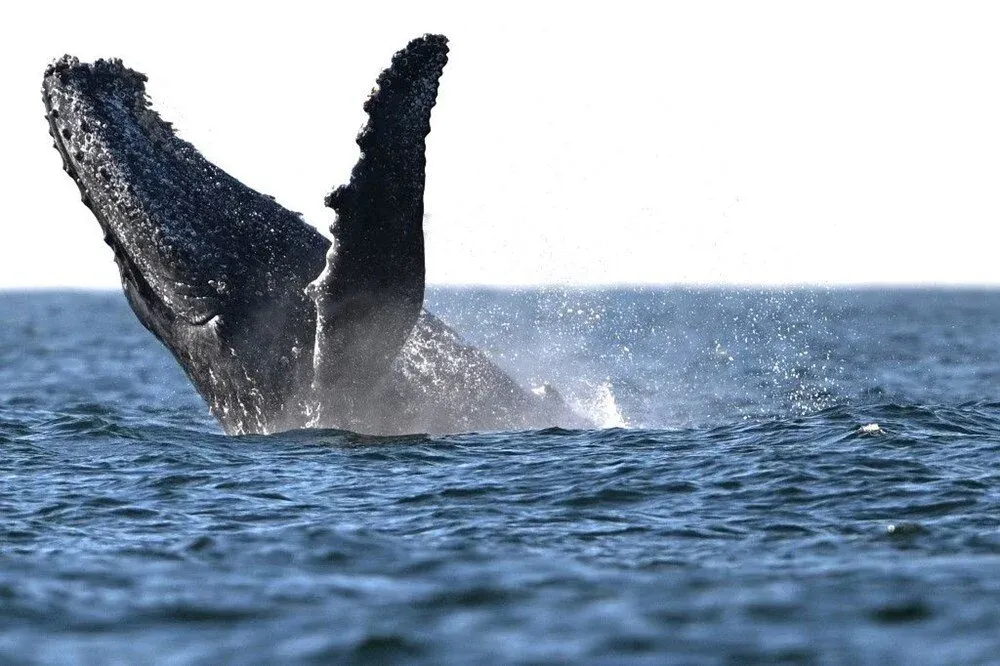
(802, 476)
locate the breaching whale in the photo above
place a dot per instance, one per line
(277, 327)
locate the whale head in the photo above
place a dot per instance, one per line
(214, 269)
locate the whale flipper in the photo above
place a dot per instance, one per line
(370, 294)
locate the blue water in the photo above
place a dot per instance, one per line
(750, 511)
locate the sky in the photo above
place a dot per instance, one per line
(764, 143)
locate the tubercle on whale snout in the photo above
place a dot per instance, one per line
(273, 330)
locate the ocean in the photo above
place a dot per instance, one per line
(780, 476)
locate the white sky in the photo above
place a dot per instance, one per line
(695, 142)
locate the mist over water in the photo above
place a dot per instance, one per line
(803, 475)
(660, 358)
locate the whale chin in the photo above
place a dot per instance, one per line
(277, 327)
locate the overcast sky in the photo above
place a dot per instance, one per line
(700, 142)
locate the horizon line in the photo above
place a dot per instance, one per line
(637, 286)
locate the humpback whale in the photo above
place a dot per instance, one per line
(277, 327)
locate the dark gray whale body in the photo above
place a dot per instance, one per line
(275, 326)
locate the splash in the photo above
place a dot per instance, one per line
(662, 357)
(599, 405)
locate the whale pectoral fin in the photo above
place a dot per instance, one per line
(370, 295)
(379, 227)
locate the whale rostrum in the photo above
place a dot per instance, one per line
(277, 327)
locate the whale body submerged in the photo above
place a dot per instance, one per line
(277, 327)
